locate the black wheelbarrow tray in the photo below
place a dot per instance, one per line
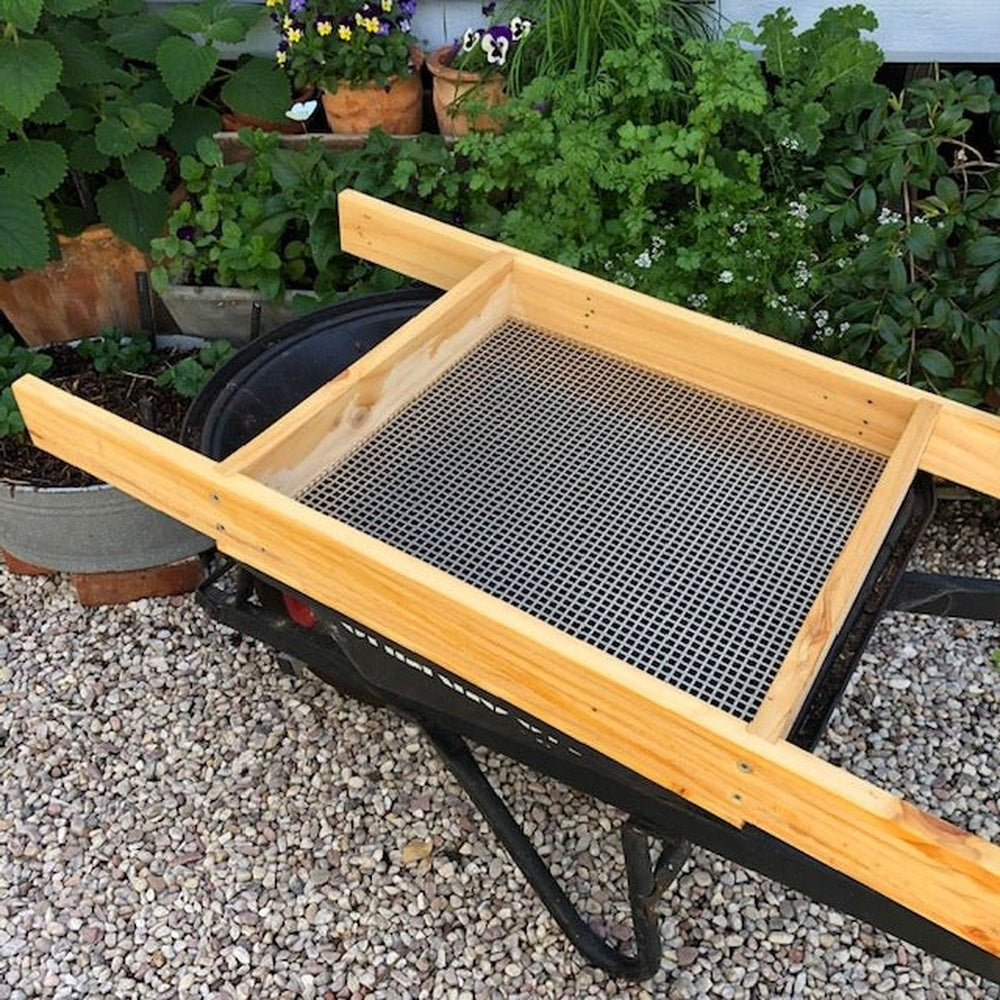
(630, 533)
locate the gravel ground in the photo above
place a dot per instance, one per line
(179, 818)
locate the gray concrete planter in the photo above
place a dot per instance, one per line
(224, 312)
(90, 529)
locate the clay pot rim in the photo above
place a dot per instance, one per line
(438, 67)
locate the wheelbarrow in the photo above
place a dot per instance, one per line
(635, 547)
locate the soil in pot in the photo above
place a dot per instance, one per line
(133, 396)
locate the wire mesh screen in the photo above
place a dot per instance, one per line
(681, 532)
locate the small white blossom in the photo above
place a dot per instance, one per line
(644, 260)
(726, 277)
(798, 210)
(698, 301)
(863, 237)
(888, 217)
(740, 227)
(822, 317)
(789, 142)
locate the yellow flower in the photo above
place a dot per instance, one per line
(371, 24)
(358, 19)
(294, 36)
(281, 57)
(344, 32)
(324, 28)
(386, 5)
(288, 23)
(272, 3)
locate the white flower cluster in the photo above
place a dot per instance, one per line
(790, 143)
(798, 210)
(726, 277)
(802, 274)
(698, 300)
(887, 217)
(648, 257)
(781, 303)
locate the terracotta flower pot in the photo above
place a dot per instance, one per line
(90, 287)
(455, 89)
(397, 107)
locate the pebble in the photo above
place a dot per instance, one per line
(181, 818)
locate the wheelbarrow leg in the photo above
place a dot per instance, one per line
(646, 882)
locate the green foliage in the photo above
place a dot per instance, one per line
(113, 350)
(188, 376)
(15, 361)
(796, 195)
(93, 94)
(270, 223)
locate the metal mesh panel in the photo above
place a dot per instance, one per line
(683, 533)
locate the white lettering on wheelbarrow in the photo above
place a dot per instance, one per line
(540, 735)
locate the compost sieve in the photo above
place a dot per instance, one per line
(684, 533)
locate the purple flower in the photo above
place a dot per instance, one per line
(488, 8)
(186, 233)
(519, 27)
(296, 6)
(408, 7)
(496, 43)
(383, 28)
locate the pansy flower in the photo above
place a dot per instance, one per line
(496, 44)
(471, 39)
(519, 27)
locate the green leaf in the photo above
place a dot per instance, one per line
(30, 70)
(838, 177)
(135, 37)
(920, 241)
(867, 201)
(86, 157)
(935, 363)
(188, 18)
(185, 65)
(85, 59)
(136, 216)
(988, 280)
(897, 274)
(53, 110)
(191, 124)
(65, 8)
(258, 87)
(983, 251)
(962, 395)
(209, 151)
(228, 29)
(114, 138)
(948, 191)
(23, 14)
(25, 242)
(144, 170)
(37, 166)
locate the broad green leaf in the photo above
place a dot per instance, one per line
(948, 191)
(190, 124)
(144, 170)
(988, 280)
(867, 200)
(25, 242)
(897, 274)
(189, 18)
(114, 138)
(37, 166)
(136, 216)
(53, 110)
(135, 37)
(838, 177)
(186, 66)
(85, 59)
(258, 87)
(935, 363)
(64, 8)
(29, 71)
(961, 395)
(86, 157)
(228, 29)
(22, 14)
(209, 151)
(920, 241)
(983, 251)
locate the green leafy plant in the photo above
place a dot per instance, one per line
(113, 350)
(11, 421)
(96, 97)
(270, 222)
(17, 360)
(188, 376)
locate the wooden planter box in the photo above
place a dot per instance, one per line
(260, 506)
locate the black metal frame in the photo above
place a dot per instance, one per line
(450, 712)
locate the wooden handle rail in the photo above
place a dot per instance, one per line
(701, 753)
